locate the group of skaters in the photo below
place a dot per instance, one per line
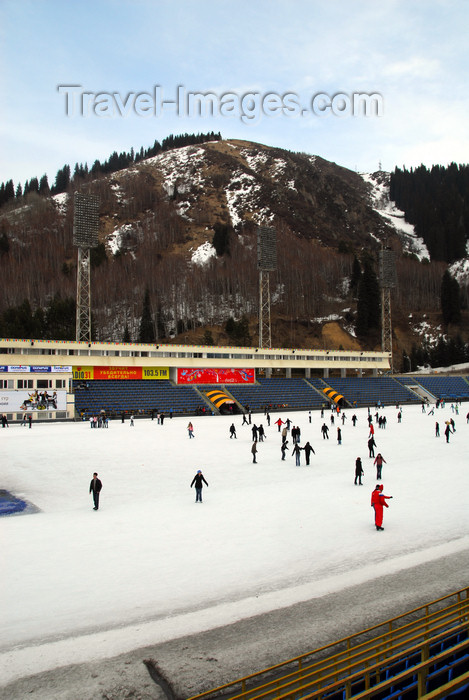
(99, 421)
(286, 430)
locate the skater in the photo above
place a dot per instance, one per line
(307, 450)
(261, 432)
(437, 429)
(354, 420)
(190, 430)
(399, 417)
(339, 436)
(254, 452)
(197, 480)
(254, 432)
(284, 434)
(283, 447)
(325, 431)
(378, 501)
(296, 451)
(379, 464)
(244, 419)
(371, 446)
(279, 423)
(232, 431)
(309, 416)
(447, 431)
(131, 420)
(268, 419)
(95, 488)
(358, 471)
(30, 420)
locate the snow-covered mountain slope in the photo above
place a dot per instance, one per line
(379, 194)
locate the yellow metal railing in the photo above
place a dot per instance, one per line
(358, 656)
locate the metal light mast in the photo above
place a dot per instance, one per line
(266, 263)
(85, 237)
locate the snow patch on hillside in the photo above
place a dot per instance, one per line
(114, 239)
(61, 202)
(379, 194)
(428, 333)
(254, 160)
(181, 169)
(460, 270)
(242, 195)
(203, 254)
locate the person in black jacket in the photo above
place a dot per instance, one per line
(371, 446)
(197, 480)
(358, 471)
(95, 488)
(308, 449)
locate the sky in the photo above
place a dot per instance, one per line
(280, 73)
(151, 565)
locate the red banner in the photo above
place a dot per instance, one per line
(216, 376)
(89, 372)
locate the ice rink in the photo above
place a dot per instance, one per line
(152, 567)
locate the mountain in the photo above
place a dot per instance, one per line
(183, 225)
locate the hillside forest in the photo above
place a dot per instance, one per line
(151, 289)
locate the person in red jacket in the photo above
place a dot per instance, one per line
(378, 501)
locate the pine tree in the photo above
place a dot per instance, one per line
(368, 304)
(356, 275)
(126, 337)
(62, 180)
(60, 319)
(450, 299)
(44, 186)
(146, 332)
(221, 239)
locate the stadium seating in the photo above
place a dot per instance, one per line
(136, 396)
(277, 393)
(444, 387)
(418, 652)
(367, 391)
(143, 396)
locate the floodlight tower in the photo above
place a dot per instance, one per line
(388, 281)
(266, 263)
(85, 237)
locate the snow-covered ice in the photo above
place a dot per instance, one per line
(152, 565)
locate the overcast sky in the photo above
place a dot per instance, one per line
(411, 56)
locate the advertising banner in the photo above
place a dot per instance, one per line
(216, 376)
(89, 373)
(32, 401)
(36, 368)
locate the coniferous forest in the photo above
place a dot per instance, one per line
(436, 202)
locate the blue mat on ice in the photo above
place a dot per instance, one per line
(11, 505)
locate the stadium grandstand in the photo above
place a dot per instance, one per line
(422, 653)
(71, 380)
